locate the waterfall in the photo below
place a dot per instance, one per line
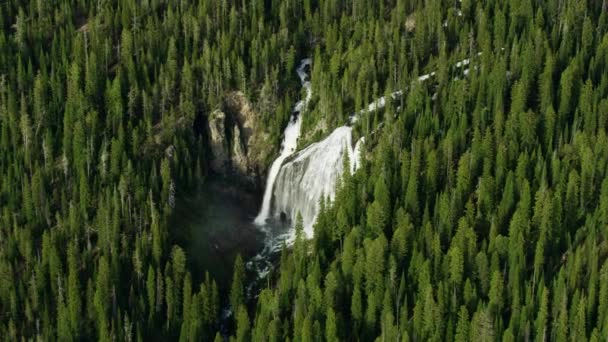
(297, 183)
(356, 160)
(312, 174)
(290, 142)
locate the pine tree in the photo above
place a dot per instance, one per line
(73, 293)
(242, 322)
(462, 328)
(331, 333)
(237, 292)
(151, 292)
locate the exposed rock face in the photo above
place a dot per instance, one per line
(239, 156)
(245, 117)
(239, 146)
(219, 143)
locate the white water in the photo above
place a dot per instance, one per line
(290, 142)
(356, 161)
(297, 183)
(312, 174)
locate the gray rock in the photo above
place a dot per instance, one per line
(240, 162)
(239, 146)
(219, 145)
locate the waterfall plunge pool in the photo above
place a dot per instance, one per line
(214, 225)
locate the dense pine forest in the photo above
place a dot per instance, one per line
(479, 213)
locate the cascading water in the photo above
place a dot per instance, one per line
(356, 161)
(290, 142)
(297, 184)
(312, 174)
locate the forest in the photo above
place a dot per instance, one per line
(479, 213)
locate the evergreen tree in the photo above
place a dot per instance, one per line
(237, 291)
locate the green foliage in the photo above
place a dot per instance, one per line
(483, 192)
(237, 291)
(485, 189)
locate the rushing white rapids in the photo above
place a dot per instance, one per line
(290, 142)
(313, 174)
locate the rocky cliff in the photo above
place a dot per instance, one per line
(239, 145)
(218, 141)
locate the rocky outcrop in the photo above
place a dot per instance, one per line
(239, 145)
(239, 156)
(219, 144)
(246, 118)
